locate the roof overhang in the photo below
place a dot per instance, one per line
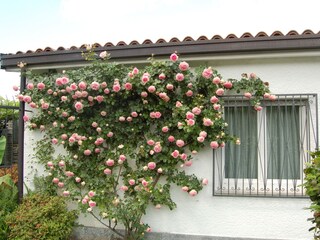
(201, 48)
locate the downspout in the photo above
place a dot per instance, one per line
(21, 136)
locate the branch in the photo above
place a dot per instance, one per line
(112, 229)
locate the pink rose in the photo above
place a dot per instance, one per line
(94, 124)
(16, 88)
(188, 163)
(27, 99)
(144, 94)
(60, 184)
(227, 85)
(214, 144)
(59, 81)
(174, 57)
(205, 181)
(185, 188)
(109, 134)
(64, 136)
(175, 154)
(61, 163)
(20, 97)
(165, 129)
(92, 203)
(214, 99)
(69, 174)
(54, 141)
(103, 54)
(196, 110)
(116, 87)
(171, 138)
(183, 156)
(66, 193)
(157, 148)
(107, 171)
(216, 106)
(124, 188)
(248, 95)
(272, 97)
(207, 122)
(106, 91)
(128, 86)
(77, 179)
(25, 118)
(55, 180)
(193, 193)
(64, 98)
(189, 93)
(73, 86)
(266, 95)
(87, 152)
(207, 73)
(103, 85)
(91, 194)
(157, 114)
(145, 78)
(216, 80)
(203, 134)
(99, 98)
(122, 157)
(150, 142)
(41, 86)
(110, 162)
(189, 115)
(220, 91)
(179, 77)
(180, 143)
(33, 105)
(190, 122)
(152, 165)
(200, 139)
(78, 106)
(50, 164)
(82, 85)
(45, 105)
(122, 119)
(162, 76)
(144, 183)
(64, 80)
(129, 119)
(253, 75)
(134, 114)
(71, 118)
(151, 89)
(132, 182)
(95, 85)
(178, 104)
(183, 66)
(169, 87)
(258, 108)
(30, 86)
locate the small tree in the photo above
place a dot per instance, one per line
(129, 133)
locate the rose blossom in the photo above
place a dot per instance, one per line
(193, 193)
(175, 153)
(41, 86)
(183, 66)
(207, 122)
(165, 129)
(87, 152)
(92, 203)
(99, 98)
(151, 89)
(60, 184)
(178, 104)
(27, 99)
(150, 142)
(248, 95)
(124, 188)
(122, 157)
(103, 54)
(188, 163)
(196, 110)
(266, 95)
(109, 134)
(78, 106)
(205, 181)
(220, 91)
(171, 139)
(258, 108)
(61, 163)
(91, 194)
(207, 73)
(77, 179)
(30, 86)
(227, 85)
(183, 156)
(116, 87)
(55, 180)
(162, 76)
(144, 94)
(33, 105)
(216, 80)
(214, 99)
(45, 105)
(16, 88)
(203, 134)
(106, 91)
(179, 77)
(157, 148)
(214, 144)
(169, 87)
(180, 143)
(82, 85)
(128, 86)
(107, 171)
(95, 85)
(132, 182)
(190, 122)
(122, 119)
(189, 115)
(54, 141)
(174, 57)
(145, 78)
(272, 97)
(20, 97)
(64, 136)
(185, 189)
(69, 174)
(216, 106)
(134, 114)
(200, 139)
(152, 165)
(189, 93)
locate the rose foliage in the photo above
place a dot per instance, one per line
(130, 133)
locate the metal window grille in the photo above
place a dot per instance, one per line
(275, 146)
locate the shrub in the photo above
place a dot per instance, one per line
(41, 217)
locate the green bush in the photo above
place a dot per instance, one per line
(8, 202)
(41, 217)
(312, 186)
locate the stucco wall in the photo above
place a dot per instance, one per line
(267, 218)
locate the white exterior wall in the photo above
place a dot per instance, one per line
(252, 217)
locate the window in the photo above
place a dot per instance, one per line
(274, 146)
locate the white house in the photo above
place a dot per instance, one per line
(257, 194)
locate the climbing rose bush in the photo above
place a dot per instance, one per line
(130, 133)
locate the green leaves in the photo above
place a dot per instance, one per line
(3, 142)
